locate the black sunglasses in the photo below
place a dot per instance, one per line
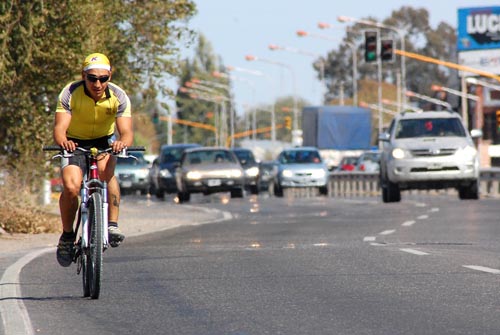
(93, 79)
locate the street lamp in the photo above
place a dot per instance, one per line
(274, 47)
(296, 135)
(429, 99)
(302, 33)
(475, 81)
(401, 33)
(273, 114)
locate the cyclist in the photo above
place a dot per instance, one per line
(90, 112)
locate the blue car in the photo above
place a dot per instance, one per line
(162, 173)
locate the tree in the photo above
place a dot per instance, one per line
(44, 42)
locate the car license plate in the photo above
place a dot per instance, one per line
(126, 184)
(213, 182)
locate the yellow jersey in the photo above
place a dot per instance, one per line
(90, 119)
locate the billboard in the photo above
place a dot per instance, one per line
(484, 60)
(478, 28)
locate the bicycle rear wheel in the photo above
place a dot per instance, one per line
(94, 252)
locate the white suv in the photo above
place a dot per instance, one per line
(428, 150)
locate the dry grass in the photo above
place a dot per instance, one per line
(20, 212)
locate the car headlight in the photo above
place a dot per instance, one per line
(193, 175)
(235, 173)
(165, 173)
(467, 153)
(318, 174)
(287, 173)
(252, 172)
(398, 153)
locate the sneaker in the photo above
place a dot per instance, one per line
(65, 251)
(115, 236)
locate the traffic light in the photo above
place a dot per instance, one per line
(155, 117)
(370, 46)
(498, 120)
(386, 50)
(288, 122)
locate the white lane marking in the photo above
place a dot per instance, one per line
(369, 238)
(15, 317)
(408, 223)
(482, 268)
(377, 244)
(414, 251)
(387, 232)
(420, 204)
(434, 210)
(423, 217)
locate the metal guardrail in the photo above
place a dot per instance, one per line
(360, 184)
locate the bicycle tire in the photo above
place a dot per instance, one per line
(94, 259)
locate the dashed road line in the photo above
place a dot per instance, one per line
(423, 217)
(414, 251)
(387, 232)
(482, 268)
(408, 223)
(369, 238)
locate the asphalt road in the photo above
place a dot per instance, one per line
(427, 265)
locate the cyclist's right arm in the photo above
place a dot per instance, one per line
(61, 124)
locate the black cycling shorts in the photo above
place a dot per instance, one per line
(79, 158)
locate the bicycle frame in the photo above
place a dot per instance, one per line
(91, 184)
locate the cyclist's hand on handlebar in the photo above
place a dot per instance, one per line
(118, 146)
(69, 145)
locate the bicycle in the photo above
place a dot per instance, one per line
(92, 217)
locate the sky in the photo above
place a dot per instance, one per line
(238, 28)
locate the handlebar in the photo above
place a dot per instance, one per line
(66, 154)
(59, 148)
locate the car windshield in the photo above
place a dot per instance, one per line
(431, 127)
(372, 157)
(171, 155)
(245, 156)
(300, 156)
(130, 160)
(209, 157)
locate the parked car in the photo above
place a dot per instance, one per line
(209, 170)
(369, 162)
(347, 163)
(132, 173)
(429, 150)
(251, 167)
(300, 167)
(162, 172)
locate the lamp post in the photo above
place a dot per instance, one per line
(401, 33)
(274, 47)
(400, 106)
(302, 33)
(218, 74)
(296, 133)
(428, 99)
(273, 106)
(201, 93)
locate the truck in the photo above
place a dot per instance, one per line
(337, 131)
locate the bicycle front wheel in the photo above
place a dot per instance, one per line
(94, 259)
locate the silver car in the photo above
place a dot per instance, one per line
(209, 170)
(132, 173)
(300, 167)
(428, 150)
